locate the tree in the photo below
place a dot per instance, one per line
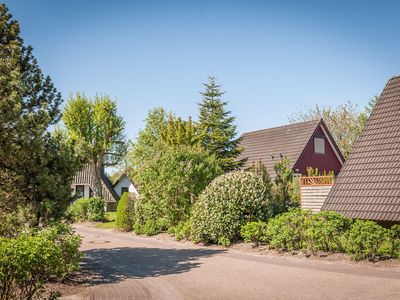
(97, 131)
(216, 127)
(179, 132)
(345, 122)
(35, 166)
(172, 180)
(144, 147)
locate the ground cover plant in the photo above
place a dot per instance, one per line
(324, 231)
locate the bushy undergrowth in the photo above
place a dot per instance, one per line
(254, 232)
(181, 231)
(287, 231)
(325, 231)
(125, 215)
(365, 239)
(226, 204)
(87, 209)
(33, 257)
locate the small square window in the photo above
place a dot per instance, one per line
(124, 190)
(319, 145)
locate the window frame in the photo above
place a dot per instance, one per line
(124, 188)
(323, 138)
(83, 191)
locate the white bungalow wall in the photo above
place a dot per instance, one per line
(125, 182)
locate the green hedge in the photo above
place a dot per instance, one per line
(87, 209)
(325, 231)
(125, 212)
(35, 257)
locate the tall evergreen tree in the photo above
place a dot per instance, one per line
(35, 166)
(217, 128)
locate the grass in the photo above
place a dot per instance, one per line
(109, 223)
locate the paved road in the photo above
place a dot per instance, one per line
(129, 267)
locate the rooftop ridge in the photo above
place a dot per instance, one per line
(282, 126)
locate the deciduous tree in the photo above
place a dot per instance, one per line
(97, 131)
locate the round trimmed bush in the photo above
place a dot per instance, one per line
(229, 201)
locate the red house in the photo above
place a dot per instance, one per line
(307, 144)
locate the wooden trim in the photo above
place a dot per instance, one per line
(331, 144)
(316, 180)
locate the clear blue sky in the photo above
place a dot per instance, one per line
(272, 58)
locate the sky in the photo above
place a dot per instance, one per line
(272, 58)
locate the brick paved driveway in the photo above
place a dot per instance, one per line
(129, 267)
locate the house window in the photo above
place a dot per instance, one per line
(79, 191)
(319, 145)
(124, 190)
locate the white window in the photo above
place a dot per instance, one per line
(319, 145)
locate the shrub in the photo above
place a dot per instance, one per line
(253, 232)
(150, 228)
(287, 231)
(87, 209)
(181, 231)
(394, 236)
(365, 239)
(226, 204)
(171, 180)
(34, 257)
(325, 231)
(125, 212)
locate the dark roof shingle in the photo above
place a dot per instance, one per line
(368, 186)
(268, 145)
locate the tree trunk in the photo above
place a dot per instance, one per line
(98, 192)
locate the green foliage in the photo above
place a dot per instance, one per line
(325, 231)
(315, 172)
(253, 232)
(97, 132)
(33, 258)
(179, 132)
(87, 209)
(151, 227)
(182, 230)
(286, 191)
(394, 236)
(36, 167)
(287, 230)
(230, 201)
(125, 212)
(365, 240)
(217, 129)
(171, 181)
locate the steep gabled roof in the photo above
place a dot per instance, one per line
(269, 145)
(85, 177)
(368, 186)
(123, 175)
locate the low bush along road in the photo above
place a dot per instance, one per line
(129, 267)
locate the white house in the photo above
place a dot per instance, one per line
(125, 184)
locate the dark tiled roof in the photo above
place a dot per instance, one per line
(268, 145)
(368, 186)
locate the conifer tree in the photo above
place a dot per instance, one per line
(36, 167)
(217, 128)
